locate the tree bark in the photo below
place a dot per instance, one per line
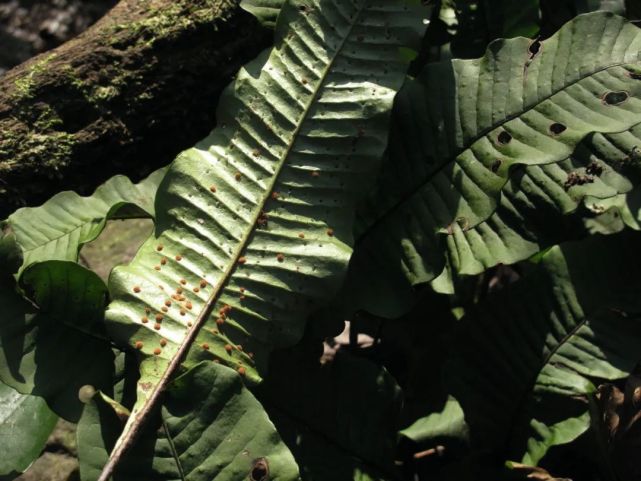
(124, 97)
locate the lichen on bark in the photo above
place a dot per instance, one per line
(124, 97)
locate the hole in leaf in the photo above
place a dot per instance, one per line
(504, 138)
(615, 98)
(557, 128)
(495, 165)
(594, 168)
(534, 49)
(260, 470)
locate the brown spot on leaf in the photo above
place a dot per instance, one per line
(259, 470)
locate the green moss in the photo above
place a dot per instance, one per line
(47, 120)
(145, 96)
(95, 95)
(165, 22)
(24, 85)
(102, 94)
(43, 152)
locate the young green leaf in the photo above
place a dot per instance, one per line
(266, 11)
(253, 225)
(57, 229)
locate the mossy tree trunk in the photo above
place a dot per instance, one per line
(124, 97)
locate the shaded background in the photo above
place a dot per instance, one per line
(29, 27)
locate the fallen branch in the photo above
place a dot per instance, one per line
(124, 97)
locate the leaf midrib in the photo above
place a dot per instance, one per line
(529, 387)
(243, 243)
(176, 360)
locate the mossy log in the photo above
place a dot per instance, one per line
(124, 97)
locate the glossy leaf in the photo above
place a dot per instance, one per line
(25, 425)
(535, 203)
(462, 128)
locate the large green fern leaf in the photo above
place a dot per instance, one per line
(253, 226)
